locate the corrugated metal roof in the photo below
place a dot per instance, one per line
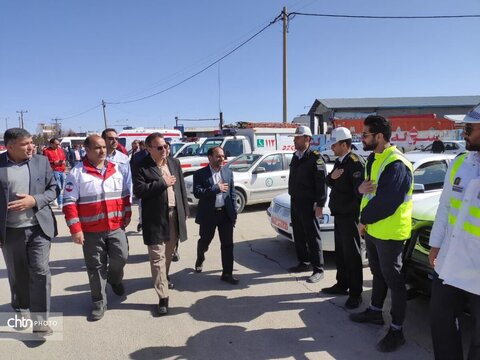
(401, 102)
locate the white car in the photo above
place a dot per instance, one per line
(451, 147)
(329, 156)
(258, 178)
(184, 149)
(429, 173)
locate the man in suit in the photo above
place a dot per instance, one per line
(27, 224)
(213, 186)
(158, 182)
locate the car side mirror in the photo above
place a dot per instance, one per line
(259, 169)
(418, 188)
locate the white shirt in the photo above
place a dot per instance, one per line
(123, 162)
(217, 178)
(458, 261)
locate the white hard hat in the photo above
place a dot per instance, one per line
(473, 116)
(339, 134)
(303, 131)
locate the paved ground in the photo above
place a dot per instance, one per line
(272, 314)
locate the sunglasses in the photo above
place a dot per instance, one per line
(162, 147)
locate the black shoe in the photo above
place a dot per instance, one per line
(198, 266)
(230, 279)
(353, 302)
(98, 313)
(335, 290)
(42, 330)
(175, 256)
(301, 267)
(392, 341)
(368, 316)
(118, 289)
(163, 307)
(315, 277)
(139, 227)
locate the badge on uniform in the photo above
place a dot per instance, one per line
(357, 174)
(457, 181)
(455, 186)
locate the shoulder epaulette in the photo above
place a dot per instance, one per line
(354, 157)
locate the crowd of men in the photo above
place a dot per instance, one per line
(371, 199)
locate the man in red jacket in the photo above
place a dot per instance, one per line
(56, 157)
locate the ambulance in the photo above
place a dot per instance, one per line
(127, 136)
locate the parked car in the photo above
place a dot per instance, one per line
(181, 149)
(451, 147)
(258, 178)
(329, 156)
(3, 148)
(429, 172)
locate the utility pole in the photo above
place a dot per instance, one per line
(6, 123)
(221, 121)
(285, 28)
(57, 123)
(176, 120)
(104, 114)
(20, 119)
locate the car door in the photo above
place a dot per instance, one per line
(269, 178)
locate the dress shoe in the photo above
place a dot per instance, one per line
(198, 266)
(163, 307)
(392, 341)
(315, 277)
(97, 313)
(230, 279)
(368, 316)
(353, 302)
(175, 256)
(42, 330)
(118, 289)
(335, 290)
(301, 267)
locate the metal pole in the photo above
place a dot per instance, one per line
(285, 27)
(104, 114)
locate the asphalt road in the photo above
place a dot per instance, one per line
(271, 314)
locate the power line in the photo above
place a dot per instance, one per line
(205, 68)
(81, 113)
(292, 14)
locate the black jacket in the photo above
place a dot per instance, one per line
(344, 196)
(307, 178)
(148, 185)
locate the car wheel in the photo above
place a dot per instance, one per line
(326, 158)
(240, 201)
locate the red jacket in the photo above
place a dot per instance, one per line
(96, 203)
(56, 155)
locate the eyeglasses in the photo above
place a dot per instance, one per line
(162, 147)
(111, 138)
(468, 129)
(364, 135)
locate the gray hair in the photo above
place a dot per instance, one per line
(14, 134)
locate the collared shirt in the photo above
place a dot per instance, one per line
(217, 178)
(300, 153)
(170, 193)
(340, 158)
(123, 162)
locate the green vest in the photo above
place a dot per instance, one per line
(397, 226)
(456, 198)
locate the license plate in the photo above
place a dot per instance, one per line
(280, 223)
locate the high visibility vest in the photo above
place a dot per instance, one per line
(471, 225)
(397, 226)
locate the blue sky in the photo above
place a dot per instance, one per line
(60, 58)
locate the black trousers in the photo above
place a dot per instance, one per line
(446, 306)
(385, 261)
(348, 256)
(26, 252)
(306, 233)
(225, 232)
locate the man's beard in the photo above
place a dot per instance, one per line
(370, 147)
(472, 147)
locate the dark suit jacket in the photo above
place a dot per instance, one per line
(149, 186)
(42, 187)
(206, 191)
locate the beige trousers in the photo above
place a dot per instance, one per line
(161, 256)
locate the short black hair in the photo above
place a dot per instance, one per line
(52, 140)
(346, 141)
(104, 132)
(212, 149)
(14, 134)
(153, 136)
(379, 125)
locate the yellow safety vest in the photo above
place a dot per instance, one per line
(397, 226)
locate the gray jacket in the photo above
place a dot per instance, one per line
(42, 187)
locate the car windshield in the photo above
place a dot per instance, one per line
(175, 147)
(207, 145)
(243, 162)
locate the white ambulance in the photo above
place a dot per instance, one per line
(127, 136)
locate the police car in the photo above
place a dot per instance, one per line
(258, 177)
(429, 172)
